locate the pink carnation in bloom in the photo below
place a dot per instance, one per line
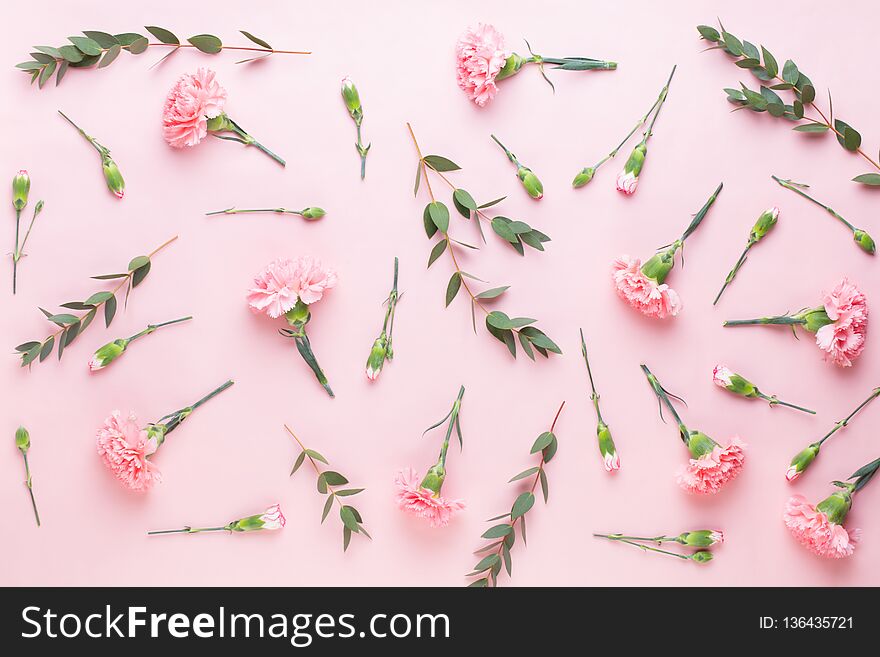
(273, 518)
(844, 340)
(191, 102)
(627, 182)
(721, 376)
(643, 293)
(480, 57)
(707, 474)
(278, 287)
(124, 447)
(422, 502)
(812, 529)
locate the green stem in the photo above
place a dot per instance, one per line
(305, 350)
(595, 396)
(662, 99)
(778, 319)
(698, 218)
(654, 549)
(840, 425)
(510, 156)
(177, 417)
(360, 147)
(254, 210)
(773, 401)
(734, 271)
(94, 142)
(453, 418)
(638, 125)
(788, 185)
(250, 141)
(392, 305)
(30, 486)
(188, 530)
(153, 327)
(649, 539)
(16, 254)
(663, 396)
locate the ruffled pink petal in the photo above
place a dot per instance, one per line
(813, 530)
(480, 56)
(412, 498)
(193, 99)
(643, 293)
(124, 447)
(708, 474)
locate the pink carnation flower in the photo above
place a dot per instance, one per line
(721, 376)
(480, 57)
(124, 448)
(812, 529)
(707, 474)
(278, 287)
(273, 518)
(611, 461)
(627, 182)
(844, 340)
(191, 102)
(422, 502)
(643, 293)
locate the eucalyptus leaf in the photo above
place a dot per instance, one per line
(206, 43)
(256, 40)
(493, 292)
(453, 287)
(111, 54)
(872, 179)
(103, 39)
(86, 45)
(165, 36)
(521, 505)
(440, 163)
(439, 214)
(436, 252)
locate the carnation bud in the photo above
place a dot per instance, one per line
(22, 439)
(512, 66)
(376, 359)
(636, 160)
(107, 354)
(836, 506)
(733, 382)
(530, 182)
(701, 538)
(113, 176)
(21, 187)
(703, 556)
(271, 518)
(585, 176)
(351, 97)
(763, 225)
(313, 213)
(802, 461)
(606, 447)
(865, 242)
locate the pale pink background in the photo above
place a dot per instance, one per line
(232, 457)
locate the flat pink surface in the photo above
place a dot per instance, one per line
(232, 457)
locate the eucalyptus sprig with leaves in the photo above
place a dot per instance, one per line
(112, 175)
(102, 49)
(72, 325)
(789, 78)
(864, 241)
(503, 535)
(352, 522)
(517, 233)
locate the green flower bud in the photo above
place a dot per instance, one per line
(701, 538)
(738, 385)
(433, 480)
(531, 183)
(21, 187)
(512, 66)
(313, 213)
(351, 98)
(107, 354)
(836, 506)
(703, 556)
(22, 439)
(585, 176)
(802, 461)
(763, 225)
(636, 160)
(610, 457)
(865, 242)
(376, 359)
(699, 444)
(113, 177)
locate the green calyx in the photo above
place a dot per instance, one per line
(249, 524)
(433, 480)
(313, 213)
(352, 99)
(701, 538)
(742, 386)
(699, 444)
(530, 182)
(814, 318)
(113, 176)
(220, 123)
(636, 159)
(763, 225)
(837, 505)
(377, 356)
(583, 177)
(865, 241)
(606, 442)
(21, 187)
(157, 432)
(512, 66)
(110, 352)
(22, 439)
(658, 266)
(802, 459)
(703, 556)
(298, 315)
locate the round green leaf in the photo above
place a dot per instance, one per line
(71, 53)
(207, 43)
(522, 505)
(86, 45)
(439, 215)
(138, 46)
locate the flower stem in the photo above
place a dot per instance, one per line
(453, 420)
(773, 401)
(663, 396)
(254, 210)
(152, 327)
(649, 539)
(510, 156)
(30, 486)
(797, 189)
(16, 255)
(595, 396)
(392, 305)
(698, 218)
(778, 319)
(733, 272)
(101, 149)
(662, 99)
(653, 549)
(211, 394)
(188, 530)
(840, 425)
(248, 140)
(305, 350)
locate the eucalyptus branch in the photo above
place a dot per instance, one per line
(352, 523)
(489, 567)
